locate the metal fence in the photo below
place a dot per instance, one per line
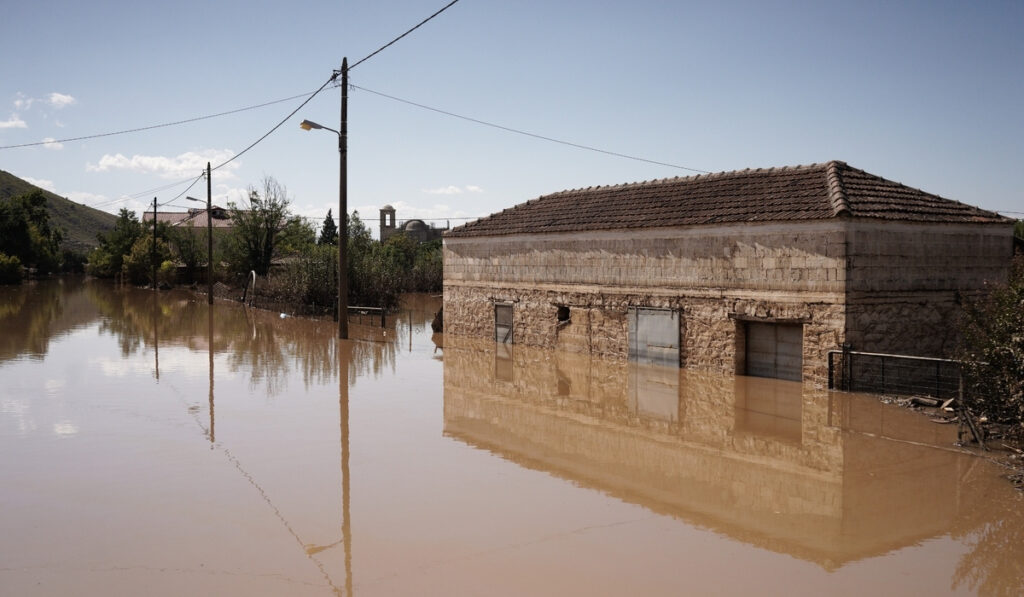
(880, 373)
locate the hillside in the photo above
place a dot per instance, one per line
(80, 223)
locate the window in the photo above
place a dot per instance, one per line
(503, 323)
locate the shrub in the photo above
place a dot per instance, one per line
(138, 264)
(10, 269)
(167, 273)
(993, 352)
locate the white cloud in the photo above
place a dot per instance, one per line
(453, 190)
(225, 194)
(51, 143)
(183, 165)
(60, 100)
(14, 122)
(41, 183)
(23, 102)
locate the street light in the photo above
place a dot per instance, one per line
(342, 198)
(209, 235)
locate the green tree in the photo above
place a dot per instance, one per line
(252, 241)
(329, 231)
(993, 352)
(25, 232)
(296, 237)
(10, 269)
(187, 246)
(138, 264)
(107, 260)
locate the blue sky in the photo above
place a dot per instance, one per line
(925, 93)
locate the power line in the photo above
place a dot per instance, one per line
(385, 46)
(178, 196)
(222, 164)
(528, 134)
(156, 126)
(277, 126)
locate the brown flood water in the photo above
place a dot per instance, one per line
(152, 446)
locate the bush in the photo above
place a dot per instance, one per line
(993, 352)
(10, 269)
(138, 264)
(167, 273)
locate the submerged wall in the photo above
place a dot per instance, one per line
(882, 286)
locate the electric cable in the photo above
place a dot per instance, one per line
(529, 134)
(278, 125)
(385, 46)
(156, 126)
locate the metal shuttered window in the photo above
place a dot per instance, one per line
(774, 350)
(654, 336)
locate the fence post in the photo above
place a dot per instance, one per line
(847, 366)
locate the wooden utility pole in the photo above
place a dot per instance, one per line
(343, 207)
(152, 257)
(209, 240)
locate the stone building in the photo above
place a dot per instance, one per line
(417, 229)
(757, 272)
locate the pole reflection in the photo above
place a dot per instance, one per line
(209, 339)
(344, 357)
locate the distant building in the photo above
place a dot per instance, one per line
(219, 217)
(754, 272)
(417, 229)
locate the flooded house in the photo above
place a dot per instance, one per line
(757, 272)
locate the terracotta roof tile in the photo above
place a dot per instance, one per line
(814, 192)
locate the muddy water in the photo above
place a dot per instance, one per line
(151, 445)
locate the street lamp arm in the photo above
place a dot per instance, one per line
(308, 125)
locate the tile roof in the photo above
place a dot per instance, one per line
(814, 192)
(192, 217)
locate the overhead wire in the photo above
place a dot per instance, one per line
(527, 133)
(332, 79)
(278, 125)
(156, 126)
(390, 43)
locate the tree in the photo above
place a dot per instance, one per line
(993, 352)
(329, 231)
(188, 248)
(296, 237)
(107, 260)
(254, 231)
(138, 264)
(25, 232)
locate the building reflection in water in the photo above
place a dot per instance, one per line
(781, 465)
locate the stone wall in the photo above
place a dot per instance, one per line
(711, 329)
(882, 286)
(804, 256)
(906, 282)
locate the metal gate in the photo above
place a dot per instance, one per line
(654, 336)
(775, 350)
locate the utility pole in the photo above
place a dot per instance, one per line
(209, 249)
(343, 207)
(152, 257)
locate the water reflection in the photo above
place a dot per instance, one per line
(32, 314)
(828, 478)
(262, 344)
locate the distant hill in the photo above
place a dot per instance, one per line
(79, 222)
